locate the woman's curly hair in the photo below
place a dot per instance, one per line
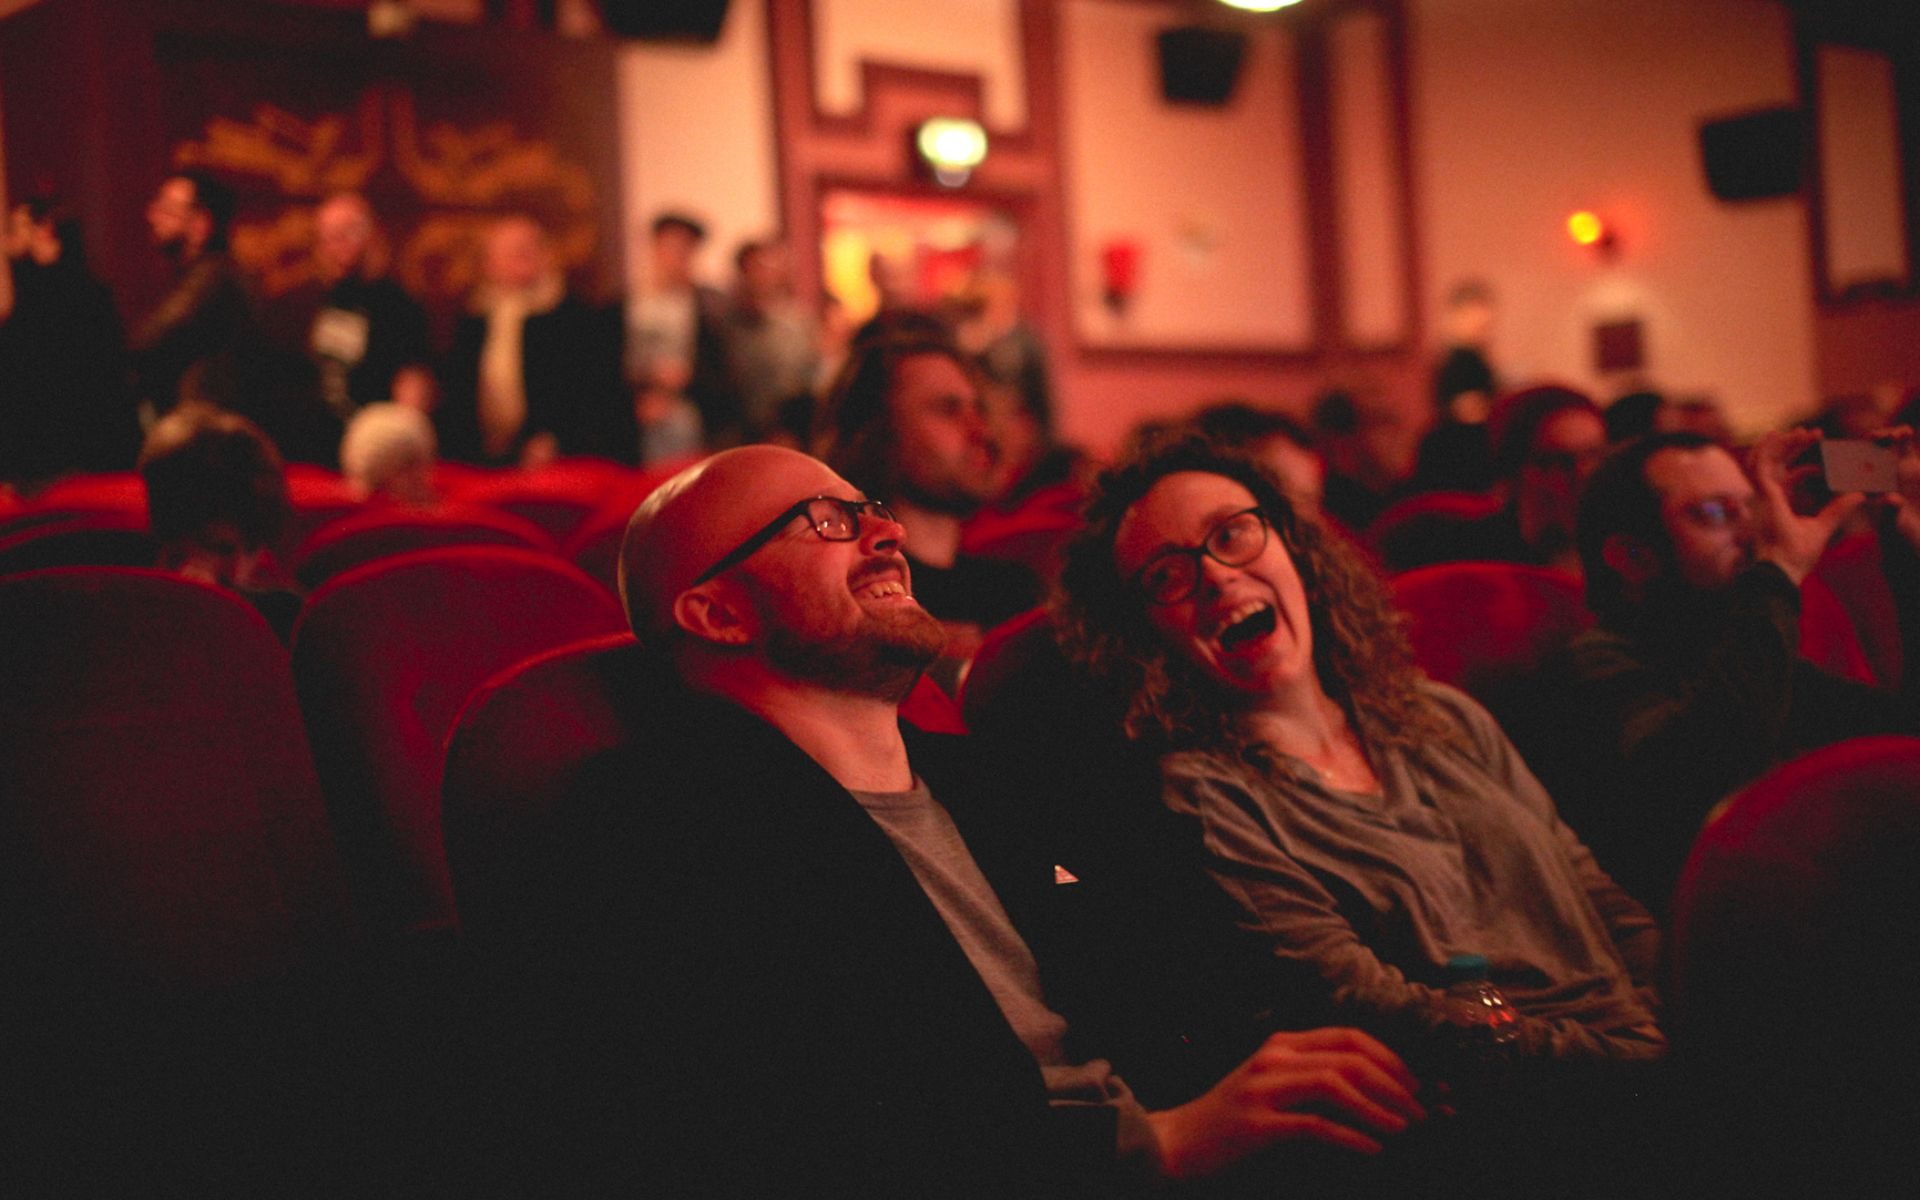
(1360, 649)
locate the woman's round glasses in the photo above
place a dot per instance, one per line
(1173, 574)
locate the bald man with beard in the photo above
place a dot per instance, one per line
(788, 951)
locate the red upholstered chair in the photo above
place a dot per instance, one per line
(1483, 626)
(1827, 636)
(1793, 975)
(512, 754)
(101, 539)
(122, 490)
(115, 499)
(929, 708)
(384, 657)
(522, 739)
(317, 496)
(451, 478)
(559, 497)
(1852, 570)
(1416, 531)
(595, 546)
(163, 822)
(1033, 534)
(384, 532)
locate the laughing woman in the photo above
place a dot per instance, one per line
(1367, 823)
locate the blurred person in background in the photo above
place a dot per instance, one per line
(534, 372)
(63, 400)
(389, 452)
(217, 504)
(906, 421)
(1455, 455)
(676, 356)
(772, 344)
(1277, 442)
(1368, 443)
(351, 335)
(202, 341)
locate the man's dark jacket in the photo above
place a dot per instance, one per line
(739, 988)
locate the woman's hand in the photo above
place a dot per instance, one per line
(1337, 1087)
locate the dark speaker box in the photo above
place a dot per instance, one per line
(1198, 65)
(666, 20)
(1754, 156)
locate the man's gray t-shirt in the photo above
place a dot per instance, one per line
(924, 834)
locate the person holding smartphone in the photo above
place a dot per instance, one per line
(1690, 684)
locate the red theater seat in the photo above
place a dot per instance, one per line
(1793, 978)
(522, 740)
(595, 546)
(385, 656)
(102, 539)
(384, 532)
(122, 490)
(1414, 531)
(162, 818)
(1827, 636)
(317, 496)
(929, 708)
(1852, 570)
(559, 497)
(511, 756)
(1481, 625)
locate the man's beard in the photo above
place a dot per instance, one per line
(882, 657)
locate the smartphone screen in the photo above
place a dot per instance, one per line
(1857, 465)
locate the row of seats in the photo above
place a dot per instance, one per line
(135, 694)
(192, 810)
(576, 508)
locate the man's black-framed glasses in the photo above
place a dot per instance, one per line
(1174, 574)
(834, 519)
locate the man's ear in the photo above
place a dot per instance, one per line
(714, 612)
(1629, 557)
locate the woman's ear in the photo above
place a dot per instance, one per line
(714, 612)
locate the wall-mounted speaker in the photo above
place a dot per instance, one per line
(1199, 65)
(666, 20)
(1754, 156)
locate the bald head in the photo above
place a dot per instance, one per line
(694, 519)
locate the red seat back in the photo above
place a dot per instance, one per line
(316, 497)
(1852, 570)
(562, 496)
(1480, 625)
(122, 490)
(102, 539)
(1792, 978)
(161, 813)
(385, 656)
(1413, 531)
(511, 757)
(379, 533)
(1827, 637)
(595, 546)
(928, 708)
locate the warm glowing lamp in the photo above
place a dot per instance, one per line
(1586, 228)
(1259, 5)
(951, 147)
